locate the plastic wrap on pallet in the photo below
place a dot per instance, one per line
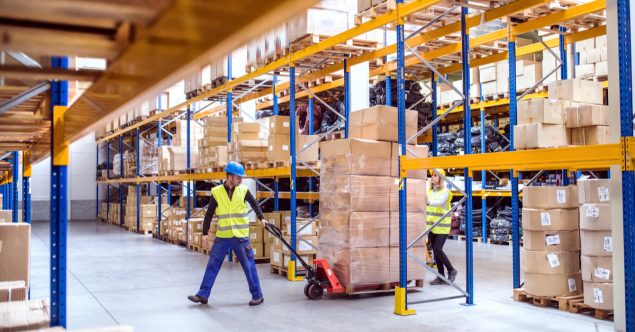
(355, 156)
(355, 192)
(352, 229)
(359, 266)
(415, 192)
(415, 227)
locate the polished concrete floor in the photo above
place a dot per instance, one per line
(118, 277)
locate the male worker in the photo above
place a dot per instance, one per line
(228, 204)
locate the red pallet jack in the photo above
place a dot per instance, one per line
(319, 276)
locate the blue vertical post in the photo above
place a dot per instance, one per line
(138, 173)
(159, 188)
(121, 209)
(347, 96)
(310, 114)
(14, 186)
(467, 142)
(275, 95)
(292, 181)
(229, 102)
(511, 45)
(107, 177)
(26, 187)
(59, 199)
(97, 184)
(275, 194)
(387, 81)
(564, 70)
(483, 183)
(188, 159)
(435, 129)
(624, 26)
(10, 192)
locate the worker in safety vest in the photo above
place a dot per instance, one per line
(438, 199)
(228, 204)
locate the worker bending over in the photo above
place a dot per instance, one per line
(438, 199)
(228, 204)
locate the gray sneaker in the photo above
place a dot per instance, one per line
(256, 301)
(452, 275)
(437, 281)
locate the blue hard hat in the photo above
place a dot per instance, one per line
(235, 168)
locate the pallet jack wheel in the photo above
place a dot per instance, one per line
(313, 291)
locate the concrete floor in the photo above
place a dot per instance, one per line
(117, 277)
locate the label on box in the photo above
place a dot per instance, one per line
(276, 256)
(592, 211)
(603, 194)
(553, 260)
(252, 236)
(545, 218)
(572, 286)
(602, 273)
(608, 244)
(597, 295)
(285, 148)
(285, 124)
(561, 196)
(552, 240)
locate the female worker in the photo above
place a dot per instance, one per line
(438, 199)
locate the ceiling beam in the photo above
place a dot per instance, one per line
(46, 74)
(24, 96)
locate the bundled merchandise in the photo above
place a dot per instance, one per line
(147, 211)
(25, 315)
(276, 131)
(501, 225)
(306, 240)
(174, 157)
(113, 213)
(103, 211)
(213, 146)
(246, 145)
(597, 243)
(593, 58)
(551, 247)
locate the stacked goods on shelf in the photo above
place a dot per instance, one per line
(206, 243)
(597, 243)
(148, 164)
(195, 232)
(176, 225)
(24, 315)
(7, 215)
(306, 239)
(551, 247)
(113, 213)
(541, 124)
(174, 157)
(586, 116)
(14, 256)
(103, 211)
(213, 146)
(257, 239)
(246, 145)
(275, 130)
(593, 58)
(147, 211)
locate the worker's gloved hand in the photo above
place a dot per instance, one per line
(426, 199)
(204, 238)
(263, 222)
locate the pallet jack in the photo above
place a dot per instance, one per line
(319, 276)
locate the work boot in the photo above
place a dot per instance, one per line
(452, 275)
(437, 281)
(256, 301)
(197, 299)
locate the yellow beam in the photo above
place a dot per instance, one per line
(493, 103)
(309, 196)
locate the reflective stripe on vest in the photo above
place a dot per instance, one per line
(436, 212)
(233, 220)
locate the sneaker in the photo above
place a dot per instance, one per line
(452, 275)
(437, 281)
(256, 301)
(197, 299)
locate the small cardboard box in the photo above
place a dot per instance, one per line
(305, 245)
(551, 241)
(312, 149)
(539, 284)
(590, 135)
(15, 251)
(420, 151)
(13, 291)
(594, 191)
(245, 136)
(597, 268)
(278, 124)
(355, 156)
(537, 135)
(595, 217)
(272, 217)
(380, 123)
(586, 115)
(554, 197)
(598, 295)
(267, 249)
(548, 262)
(550, 219)
(546, 111)
(148, 210)
(596, 243)
(309, 230)
(577, 90)
(256, 233)
(246, 127)
(278, 149)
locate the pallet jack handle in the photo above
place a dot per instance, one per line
(275, 231)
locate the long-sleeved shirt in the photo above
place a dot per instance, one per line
(211, 209)
(442, 199)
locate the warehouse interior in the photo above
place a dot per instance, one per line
(129, 128)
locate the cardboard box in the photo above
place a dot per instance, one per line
(594, 191)
(215, 131)
(598, 295)
(245, 127)
(597, 268)
(13, 291)
(359, 266)
(487, 73)
(590, 135)
(242, 136)
(256, 233)
(278, 149)
(550, 219)
(602, 69)
(550, 262)
(258, 249)
(148, 210)
(551, 241)
(550, 197)
(586, 115)
(276, 257)
(415, 227)
(536, 135)
(420, 151)
(15, 241)
(307, 258)
(546, 111)
(380, 123)
(273, 217)
(577, 90)
(24, 315)
(596, 243)
(343, 228)
(355, 156)
(595, 217)
(305, 245)
(312, 148)
(355, 193)
(266, 249)
(538, 284)
(416, 271)
(7, 215)
(309, 230)
(415, 195)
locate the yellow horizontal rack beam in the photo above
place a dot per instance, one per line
(309, 196)
(487, 193)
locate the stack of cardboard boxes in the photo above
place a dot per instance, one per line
(113, 213)
(103, 211)
(597, 244)
(174, 157)
(147, 211)
(551, 248)
(306, 241)
(276, 131)
(195, 232)
(213, 145)
(593, 58)
(586, 116)
(246, 145)
(7, 215)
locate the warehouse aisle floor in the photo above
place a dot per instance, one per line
(117, 277)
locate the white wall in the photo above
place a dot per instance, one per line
(359, 86)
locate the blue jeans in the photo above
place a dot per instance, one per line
(244, 253)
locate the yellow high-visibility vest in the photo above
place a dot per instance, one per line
(436, 212)
(233, 219)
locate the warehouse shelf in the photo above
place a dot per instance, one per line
(309, 196)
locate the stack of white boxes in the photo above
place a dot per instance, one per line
(597, 243)
(174, 157)
(586, 117)
(593, 58)
(213, 146)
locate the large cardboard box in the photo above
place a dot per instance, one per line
(355, 156)
(13, 291)
(354, 229)
(258, 249)
(597, 268)
(310, 229)
(577, 90)
(590, 135)
(587, 115)
(310, 146)
(305, 245)
(598, 295)
(550, 219)
(355, 192)
(273, 217)
(415, 195)
(380, 123)
(24, 315)
(546, 111)
(551, 240)
(420, 151)
(415, 227)
(245, 127)
(256, 233)
(594, 191)
(595, 217)
(596, 243)
(15, 241)
(539, 284)
(550, 197)
(279, 148)
(550, 262)
(359, 266)
(416, 271)
(537, 135)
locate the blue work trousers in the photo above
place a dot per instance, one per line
(244, 253)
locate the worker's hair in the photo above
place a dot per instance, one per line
(441, 185)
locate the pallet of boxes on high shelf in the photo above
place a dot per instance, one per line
(173, 158)
(212, 146)
(276, 132)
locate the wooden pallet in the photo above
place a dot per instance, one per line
(134, 230)
(563, 303)
(193, 247)
(260, 260)
(204, 251)
(256, 164)
(283, 270)
(474, 238)
(578, 307)
(380, 288)
(504, 243)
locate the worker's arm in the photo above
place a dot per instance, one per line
(249, 198)
(442, 201)
(209, 215)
